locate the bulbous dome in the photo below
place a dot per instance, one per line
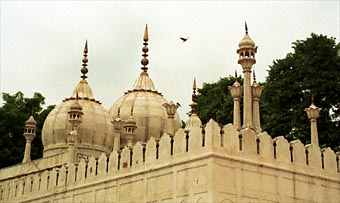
(31, 121)
(95, 132)
(246, 42)
(146, 103)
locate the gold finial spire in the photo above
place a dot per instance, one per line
(246, 27)
(84, 69)
(145, 49)
(254, 76)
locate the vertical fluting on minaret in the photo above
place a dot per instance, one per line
(236, 92)
(247, 59)
(256, 93)
(313, 115)
(29, 134)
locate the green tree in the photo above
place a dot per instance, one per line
(13, 114)
(215, 101)
(312, 70)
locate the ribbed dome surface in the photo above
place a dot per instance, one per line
(148, 111)
(95, 133)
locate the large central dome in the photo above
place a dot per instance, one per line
(145, 103)
(95, 133)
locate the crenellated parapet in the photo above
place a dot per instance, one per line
(226, 143)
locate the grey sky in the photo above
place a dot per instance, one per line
(42, 42)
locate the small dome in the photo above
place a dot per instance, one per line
(76, 106)
(246, 42)
(31, 121)
(95, 133)
(193, 120)
(130, 121)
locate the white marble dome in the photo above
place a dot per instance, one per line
(95, 134)
(145, 102)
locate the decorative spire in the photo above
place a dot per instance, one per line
(194, 104)
(235, 75)
(145, 49)
(246, 27)
(194, 87)
(84, 69)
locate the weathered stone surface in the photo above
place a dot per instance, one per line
(282, 149)
(298, 152)
(231, 139)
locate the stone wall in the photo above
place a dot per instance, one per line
(203, 165)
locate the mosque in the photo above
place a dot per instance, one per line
(137, 151)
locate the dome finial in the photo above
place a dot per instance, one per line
(246, 27)
(145, 49)
(84, 69)
(194, 86)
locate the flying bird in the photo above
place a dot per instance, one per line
(184, 39)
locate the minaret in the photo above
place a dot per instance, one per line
(236, 92)
(171, 109)
(130, 127)
(29, 134)
(75, 113)
(247, 59)
(313, 115)
(256, 92)
(193, 120)
(117, 124)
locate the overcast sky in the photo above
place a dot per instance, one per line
(42, 42)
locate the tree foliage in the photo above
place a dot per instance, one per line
(13, 113)
(214, 101)
(312, 70)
